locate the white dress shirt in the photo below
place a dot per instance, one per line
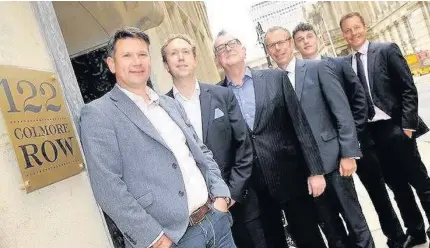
(192, 108)
(195, 186)
(291, 69)
(379, 114)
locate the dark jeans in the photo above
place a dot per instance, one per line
(213, 232)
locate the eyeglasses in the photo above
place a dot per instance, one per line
(279, 43)
(223, 47)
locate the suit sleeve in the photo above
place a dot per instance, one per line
(356, 96)
(340, 110)
(215, 183)
(302, 128)
(242, 169)
(409, 95)
(104, 165)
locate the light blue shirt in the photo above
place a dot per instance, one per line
(245, 96)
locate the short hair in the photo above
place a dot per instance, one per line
(275, 28)
(174, 37)
(124, 33)
(350, 15)
(303, 27)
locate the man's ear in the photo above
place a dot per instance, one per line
(166, 66)
(111, 64)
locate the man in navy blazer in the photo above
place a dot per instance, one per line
(215, 115)
(368, 167)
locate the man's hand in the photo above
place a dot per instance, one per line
(347, 167)
(316, 185)
(220, 204)
(163, 242)
(408, 133)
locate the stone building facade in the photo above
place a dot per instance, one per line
(58, 37)
(405, 23)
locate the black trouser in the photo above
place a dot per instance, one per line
(340, 196)
(249, 234)
(402, 167)
(369, 172)
(302, 221)
(247, 228)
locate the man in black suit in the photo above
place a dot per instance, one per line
(368, 168)
(287, 164)
(326, 107)
(218, 122)
(394, 123)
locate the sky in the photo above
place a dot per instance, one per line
(234, 17)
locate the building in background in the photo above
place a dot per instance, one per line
(98, 20)
(286, 14)
(405, 23)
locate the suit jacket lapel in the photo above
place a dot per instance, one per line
(371, 56)
(134, 114)
(205, 104)
(260, 93)
(348, 59)
(300, 77)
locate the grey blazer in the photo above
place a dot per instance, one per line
(327, 110)
(134, 175)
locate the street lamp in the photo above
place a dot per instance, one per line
(260, 39)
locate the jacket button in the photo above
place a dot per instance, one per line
(174, 165)
(181, 193)
(254, 137)
(255, 157)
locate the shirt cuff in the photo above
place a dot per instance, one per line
(407, 129)
(155, 241)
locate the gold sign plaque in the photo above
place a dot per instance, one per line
(39, 126)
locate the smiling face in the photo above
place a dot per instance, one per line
(180, 59)
(306, 43)
(229, 51)
(131, 63)
(354, 32)
(280, 47)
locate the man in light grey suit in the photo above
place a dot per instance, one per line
(327, 110)
(149, 171)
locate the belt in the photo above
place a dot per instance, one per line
(197, 216)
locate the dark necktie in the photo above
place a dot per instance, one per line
(362, 77)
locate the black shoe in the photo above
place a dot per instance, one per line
(412, 241)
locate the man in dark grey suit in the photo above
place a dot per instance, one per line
(393, 123)
(368, 166)
(215, 115)
(149, 171)
(327, 110)
(287, 164)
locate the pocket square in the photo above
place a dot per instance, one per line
(218, 113)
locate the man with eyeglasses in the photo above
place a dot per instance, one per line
(368, 166)
(327, 109)
(287, 165)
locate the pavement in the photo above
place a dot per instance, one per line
(423, 86)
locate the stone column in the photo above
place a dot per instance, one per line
(425, 8)
(410, 36)
(403, 42)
